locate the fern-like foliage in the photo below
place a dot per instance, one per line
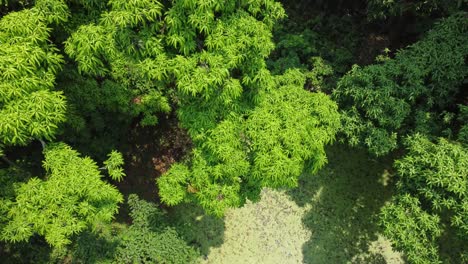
(377, 101)
(71, 198)
(264, 146)
(433, 185)
(207, 58)
(114, 165)
(29, 108)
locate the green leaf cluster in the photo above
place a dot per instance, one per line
(432, 186)
(148, 49)
(382, 103)
(207, 58)
(147, 240)
(112, 48)
(98, 112)
(412, 229)
(265, 146)
(71, 198)
(334, 38)
(114, 165)
(29, 108)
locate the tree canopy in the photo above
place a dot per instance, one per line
(70, 199)
(207, 102)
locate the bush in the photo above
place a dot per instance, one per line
(382, 103)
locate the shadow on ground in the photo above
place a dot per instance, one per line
(197, 228)
(149, 151)
(345, 198)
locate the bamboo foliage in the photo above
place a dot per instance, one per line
(114, 165)
(377, 101)
(29, 108)
(432, 190)
(71, 199)
(207, 57)
(265, 146)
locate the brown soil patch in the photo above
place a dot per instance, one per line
(150, 152)
(372, 46)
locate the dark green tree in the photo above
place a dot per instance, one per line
(147, 240)
(413, 92)
(384, 9)
(432, 190)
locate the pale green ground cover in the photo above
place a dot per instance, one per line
(331, 218)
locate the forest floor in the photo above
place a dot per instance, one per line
(150, 152)
(330, 218)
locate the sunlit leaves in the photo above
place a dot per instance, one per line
(173, 185)
(114, 165)
(412, 229)
(289, 126)
(438, 171)
(33, 116)
(267, 145)
(72, 198)
(208, 56)
(28, 64)
(54, 11)
(88, 46)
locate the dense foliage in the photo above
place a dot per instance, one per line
(147, 229)
(147, 240)
(432, 190)
(413, 92)
(257, 90)
(212, 60)
(384, 8)
(70, 199)
(29, 108)
(265, 147)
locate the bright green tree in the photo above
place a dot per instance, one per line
(266, 146)
(71, 198)
(207, 59)
(29, 107)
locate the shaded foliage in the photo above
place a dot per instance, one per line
(147, 240)
(432, 195)
(377, 101)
